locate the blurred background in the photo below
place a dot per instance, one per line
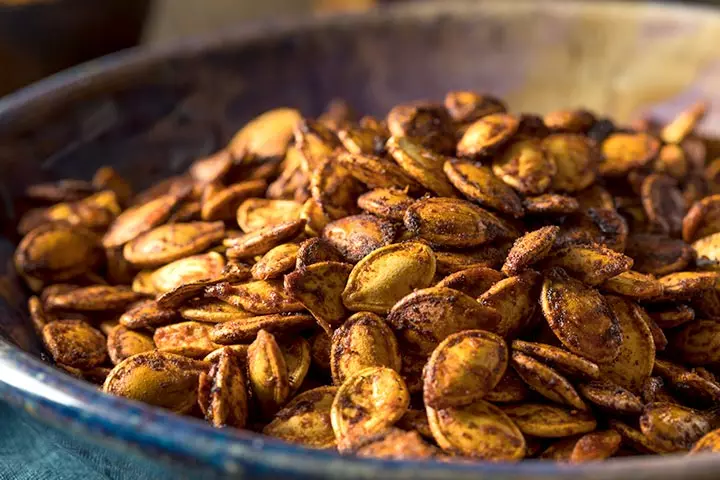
(40, 37)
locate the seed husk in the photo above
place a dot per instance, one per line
(256, 213)
(190, 339)
(708, 443)
(397, 444)
(147, 314)
(592, 264)
(526, 166)
(422, 164)
(268, 373)
(259, 296)
(319, 289)
(623, 152)
(450, 222)
(261, 241)
(487, 134)
(514, 298)
(227, 403)
(58, 251)
(276, 262)
(389, 203)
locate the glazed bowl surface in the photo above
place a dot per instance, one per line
(149, 113)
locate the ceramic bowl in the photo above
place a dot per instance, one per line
(149, 113)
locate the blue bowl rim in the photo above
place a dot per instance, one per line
(64, 401)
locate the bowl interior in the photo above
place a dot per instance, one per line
(150, 113)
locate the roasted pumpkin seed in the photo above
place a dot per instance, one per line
(673, 428)
(478, 430)
(123, 343)
(473, 281)
(370, 257)
(529, 249)
(171, 242)
(388, 274)
(463, 368)
(305, 420)
(549, 421)
(355, 237)
(580, 317)
(364, 340)
(367, 403)
(157, 378)
(74, 343)
(546, 381)
(426, 317)
(246, 329)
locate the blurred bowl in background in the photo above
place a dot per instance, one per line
(41, 37)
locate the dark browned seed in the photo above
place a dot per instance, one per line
(663, 203)
(478, 184)
(658, 254)
(514, 298)
(670, 315)
(673, 428)
(551, 204)
(356, 236)
(315, 250)
(485, 256)
(611, 397)
(529, 249)
(428, 316)
(66, 190)
(427, 123)
(546, 381)
(565, 362)
(580, 317)
(623, 152)
(473, 281)
(702, 219)
(592, 264)
(604, 226)
(74, 343)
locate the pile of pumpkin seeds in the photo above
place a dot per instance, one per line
(450, 282)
